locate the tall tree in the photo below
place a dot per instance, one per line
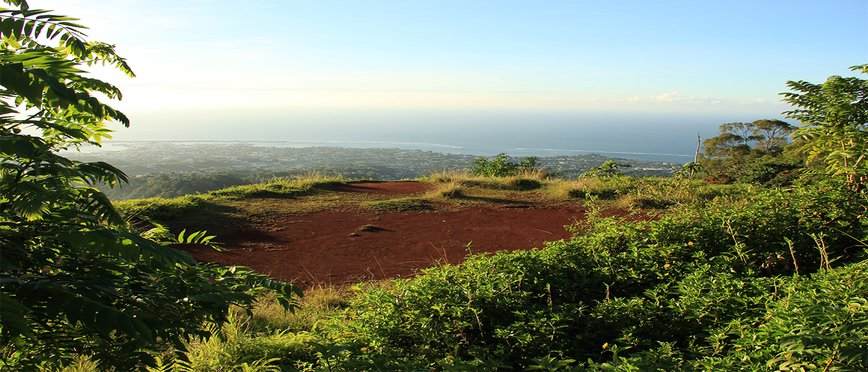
(771, 135)
(74, 277)
(734, 140)
(834, 130)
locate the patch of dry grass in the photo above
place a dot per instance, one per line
(525, 180)
(448, 190)
(591, 187)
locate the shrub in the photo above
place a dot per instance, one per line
(819, 322)
(608, 168)
(232, 345)
(501, 166)
(661, 294)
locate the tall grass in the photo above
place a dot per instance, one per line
(279, 187)
(168, 208)
(448, 190)
(317, 304)
(524, 180)
(592, 187)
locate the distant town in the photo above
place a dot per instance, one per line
(170, 169)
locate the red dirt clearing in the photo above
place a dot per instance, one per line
(344, 246)
(341, 247)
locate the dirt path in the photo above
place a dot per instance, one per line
(335, 247)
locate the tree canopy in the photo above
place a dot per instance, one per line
(834, 117)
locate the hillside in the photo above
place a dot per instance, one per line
(624, 272)
(343, 232)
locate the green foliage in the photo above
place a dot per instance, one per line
(834, 115)
(607, 187)
(608, 169)
(521, 181)
(501, 166)
(750, 153)
(232, 345)
(75, 278)
(665, 294)
(174, 184)
(278, 187)
(182, 207)
(817, 323)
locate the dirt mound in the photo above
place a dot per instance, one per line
(384, 188)
(336, 247)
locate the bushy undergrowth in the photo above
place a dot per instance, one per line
(644, 193)
(664, 294)
(502, 165)
(749, 279)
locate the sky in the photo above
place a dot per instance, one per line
(217, 66)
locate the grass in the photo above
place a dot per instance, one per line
(318, 304)
(596, 187)
(235, 344)
(279, 187)
(165, 209)
(449, 190)
(236, 208)
(528, 180)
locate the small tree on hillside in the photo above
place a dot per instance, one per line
(772, 135)
(734, 140)
(834, 117)
(501, 166)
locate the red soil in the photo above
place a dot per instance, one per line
(385, 188)
(335, 247)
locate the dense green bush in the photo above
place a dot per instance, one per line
(501, 166)
(609, 168)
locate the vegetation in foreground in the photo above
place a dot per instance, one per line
(741, 281)
(772, 277)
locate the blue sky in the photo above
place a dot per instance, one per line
(204, 57)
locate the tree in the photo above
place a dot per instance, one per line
(75, 278)
(834, 117)
(734, 140)
(749, 152)
(771, 135)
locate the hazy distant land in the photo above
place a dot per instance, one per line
(176, 168)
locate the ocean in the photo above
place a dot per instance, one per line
(669, 138)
